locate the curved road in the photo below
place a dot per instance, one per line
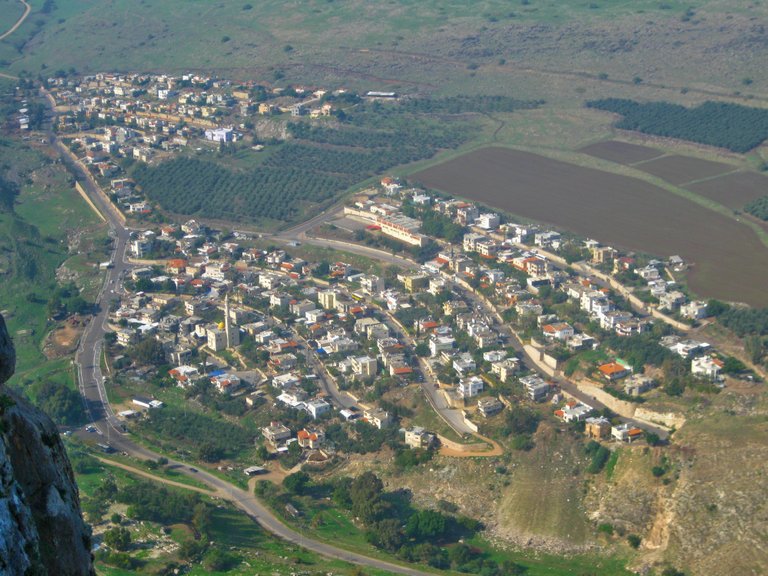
(19, 22)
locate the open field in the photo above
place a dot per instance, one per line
(407, 45)
(677, 169)
(621, 152)
(732, 190)
(729, 260)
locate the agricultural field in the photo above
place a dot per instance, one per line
(678, 170)
(725, 125)
(320, 161)
(732, 190)
(729, 260)
(621, 152)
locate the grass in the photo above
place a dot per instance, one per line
(35, 240)
(323, 521)
(94, 36)
(541, 564)
(160, 471)
(610, 466)
(426, 417)
(231, 530)
(10, 12)
(547, 499)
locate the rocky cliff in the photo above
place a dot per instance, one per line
(41, 528)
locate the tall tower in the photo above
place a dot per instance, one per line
(232, 332)
(226, 320)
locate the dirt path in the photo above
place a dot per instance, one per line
(495, 451)
(145, 474)
(20, 21)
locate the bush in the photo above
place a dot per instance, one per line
(297, 482)
(118, 538)
(523, 443)
(605, 529)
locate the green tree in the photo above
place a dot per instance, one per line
(386, 534)
(426, 525)
(201, 518)
(297, 482)
(118, 538)
(365, 493)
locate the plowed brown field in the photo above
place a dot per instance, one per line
(729, 260)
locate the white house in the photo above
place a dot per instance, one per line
(706, 367)
(469, 387)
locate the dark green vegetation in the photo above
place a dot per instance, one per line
(319, 162)
(163, 529)
(737, 128)
(390, 521)
(758, 208)
(212, 439)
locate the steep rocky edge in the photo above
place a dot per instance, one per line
(41, 528)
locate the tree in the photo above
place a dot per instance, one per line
(118, 538)
(460, 554)
(386, 534)
(755, 348)
(210, 452)
(675, 387)
(365, 493)
(634, 540)
(652, 439)
(422, 349)
(297, 482)
(426, 525)
(201, 518)
(521, 420)
(341, 495)
(217, 560)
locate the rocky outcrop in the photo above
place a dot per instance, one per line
(41, 528)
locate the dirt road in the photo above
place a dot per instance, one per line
(19, 22)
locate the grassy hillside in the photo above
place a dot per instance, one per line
(417, 45)
(44, 228)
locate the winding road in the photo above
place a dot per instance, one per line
(19, 22)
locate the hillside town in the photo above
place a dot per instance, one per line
(511, 314)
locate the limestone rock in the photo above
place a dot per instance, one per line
(42, 531)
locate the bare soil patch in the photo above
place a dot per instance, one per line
(621, 152)
(733, 190)
(729, 261)
(677, 169)
(62, 340)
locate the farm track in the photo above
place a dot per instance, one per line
(19, 22)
